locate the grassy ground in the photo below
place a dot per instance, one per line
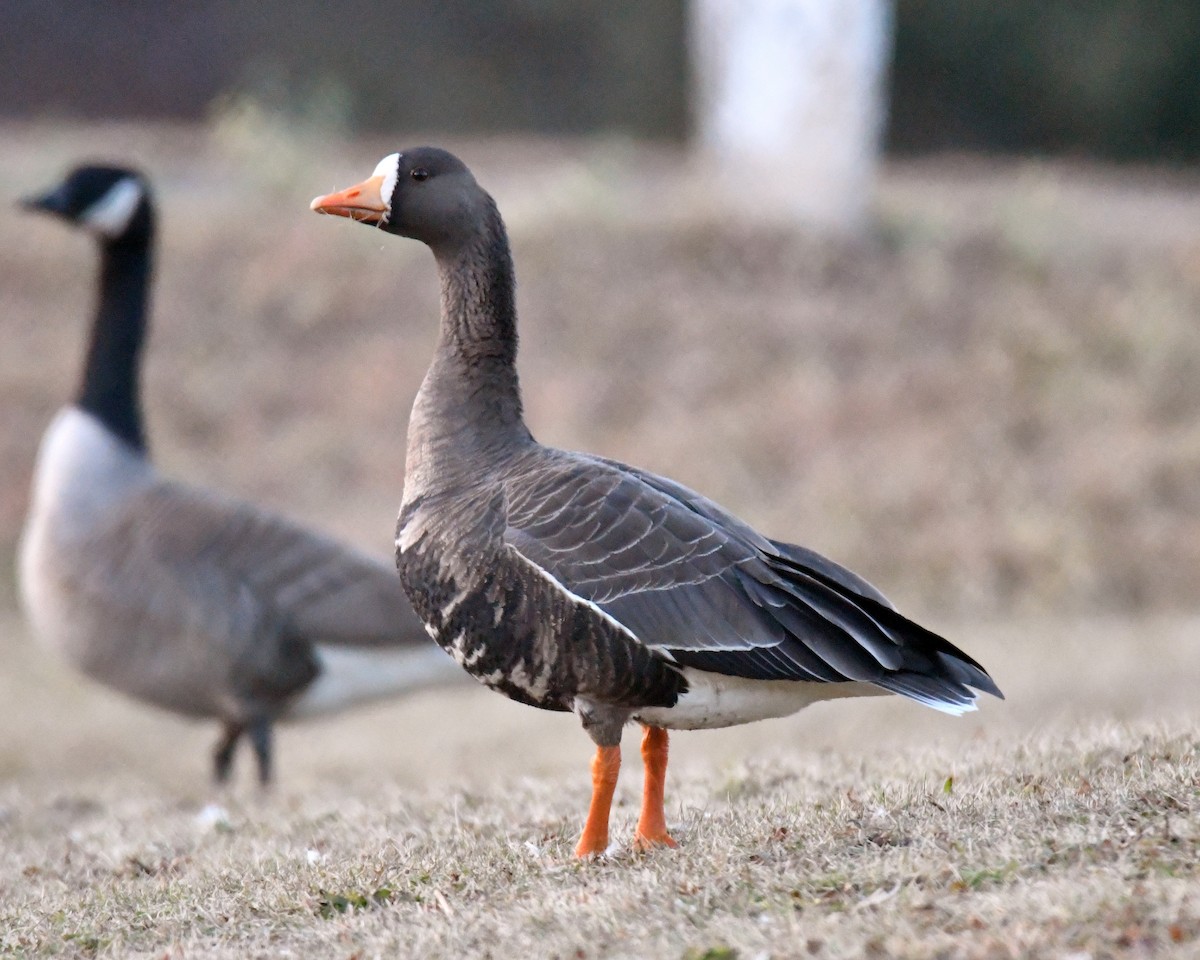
(1063, 822)
(988, 407)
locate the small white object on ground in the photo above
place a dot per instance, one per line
(213, 816)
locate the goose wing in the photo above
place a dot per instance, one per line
(209, 586)
(703, 589)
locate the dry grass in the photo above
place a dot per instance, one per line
(990, 406)
(1071, 825)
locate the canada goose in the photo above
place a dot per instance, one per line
(177, 596)
(572, 582)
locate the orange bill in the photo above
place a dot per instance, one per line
(363, 202)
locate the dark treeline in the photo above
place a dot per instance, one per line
(1112, 78)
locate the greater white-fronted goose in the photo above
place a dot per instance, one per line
(571, 582)
(174, 595)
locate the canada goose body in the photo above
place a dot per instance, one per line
(177, 596)
(572, 582)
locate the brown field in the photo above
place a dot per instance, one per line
(1071, 826)
(989, 407)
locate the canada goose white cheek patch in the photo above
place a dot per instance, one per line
(110, 215)
(389, 169)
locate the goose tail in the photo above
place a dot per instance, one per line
(907, 658)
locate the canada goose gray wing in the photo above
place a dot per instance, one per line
(312, 587)
(210, 606)
(707, 595)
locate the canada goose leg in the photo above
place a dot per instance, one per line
(260, 738)
(652, 824)
(223, 755)
(606, 766)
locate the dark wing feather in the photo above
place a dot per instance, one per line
(701, 587)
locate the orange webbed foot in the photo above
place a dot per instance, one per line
(652, 824)
(644, 843)
(606, 765)
(589, 848)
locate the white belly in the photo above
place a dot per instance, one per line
(715, 700)
(353, 675)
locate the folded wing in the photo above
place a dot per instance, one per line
(704, 590)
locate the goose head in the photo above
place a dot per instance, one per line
(111, 202)
(426, 194)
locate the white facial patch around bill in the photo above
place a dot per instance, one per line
(389, 169)
(110, 215)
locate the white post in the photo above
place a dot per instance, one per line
(790, 100)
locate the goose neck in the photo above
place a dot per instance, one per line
(467, 415)
(479, 317)
(110, 387)
(477, 342)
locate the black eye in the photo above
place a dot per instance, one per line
(419, 173)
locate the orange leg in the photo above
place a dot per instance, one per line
(606, 765)
(652, 824)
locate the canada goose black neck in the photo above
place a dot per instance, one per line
(110, 387)
(114, 204)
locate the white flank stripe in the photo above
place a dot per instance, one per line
(720, 700)
(576, 598)
(954, 709)
(349, 675)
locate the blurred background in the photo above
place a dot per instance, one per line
(1114, 79)
(915, 284)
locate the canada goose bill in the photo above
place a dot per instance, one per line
(46, 203)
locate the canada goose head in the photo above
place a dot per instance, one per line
(425, 194)
(113, 203)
